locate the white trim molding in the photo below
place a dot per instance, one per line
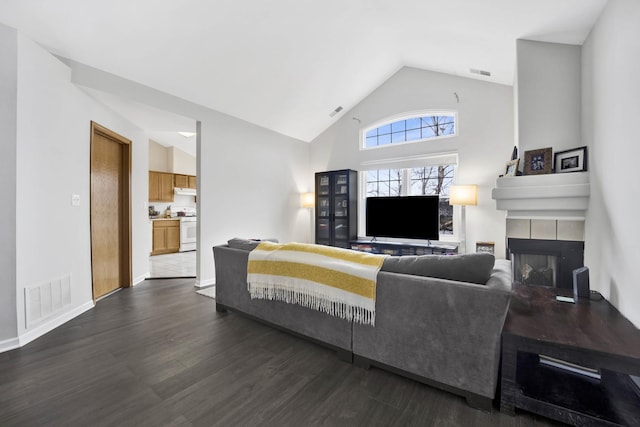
(204, 283)
(552, 196)
(63, 318)
(10, 344)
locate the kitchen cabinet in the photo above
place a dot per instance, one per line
(160, 187)
(166, 236)
(184, 181)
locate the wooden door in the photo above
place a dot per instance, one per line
(192, 181)
(110, 211)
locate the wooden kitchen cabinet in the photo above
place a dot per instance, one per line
(184, 181)
(181, 181)
(160, 187)
(166, 236)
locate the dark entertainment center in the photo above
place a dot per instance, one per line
(414, 218)
(397, 248)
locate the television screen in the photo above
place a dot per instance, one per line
(413, 217)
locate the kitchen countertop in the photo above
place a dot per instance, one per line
(161, 218)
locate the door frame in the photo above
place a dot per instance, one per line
(125, 204)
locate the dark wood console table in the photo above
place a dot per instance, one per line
(588, 333)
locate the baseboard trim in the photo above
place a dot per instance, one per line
(204, 283)
(10, 344)
(63, 318)
(141, 279)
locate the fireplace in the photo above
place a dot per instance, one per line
(545, 262)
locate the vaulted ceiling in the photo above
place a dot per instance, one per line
(286, 64)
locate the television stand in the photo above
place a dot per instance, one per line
(401, 248)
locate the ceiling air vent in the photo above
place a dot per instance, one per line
(481, 72)
(336, 111)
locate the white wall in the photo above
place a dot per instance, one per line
(181, 162)
(611, 107)
(548, 96)
(484, 142)
(249, 178)
(8, 146)
(53, 159)
(250, 181)
(158, 157)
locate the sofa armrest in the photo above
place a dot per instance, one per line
(231, 276)
(438, 329)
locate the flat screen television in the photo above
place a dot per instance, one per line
(412, 217)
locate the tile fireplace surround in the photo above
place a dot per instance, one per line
(545, 208)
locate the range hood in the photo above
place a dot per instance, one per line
(185, 191)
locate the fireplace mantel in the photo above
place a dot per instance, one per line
(552, 196)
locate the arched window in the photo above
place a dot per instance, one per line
(414, 128)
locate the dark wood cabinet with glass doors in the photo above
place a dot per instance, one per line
(336, 207)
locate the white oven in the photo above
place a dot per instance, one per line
(188, 233)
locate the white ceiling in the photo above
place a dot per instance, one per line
(162, 126)
(286, 64)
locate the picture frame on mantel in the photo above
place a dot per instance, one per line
(511, 168)
(538, 162)
(574, 160)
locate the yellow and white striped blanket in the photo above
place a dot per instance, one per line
(339, 282)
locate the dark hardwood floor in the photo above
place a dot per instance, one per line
(159, 354)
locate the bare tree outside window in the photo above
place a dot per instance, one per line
(432, 180)
(384, 182)
(434, 126)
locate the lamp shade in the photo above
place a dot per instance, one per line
(307, 200)
(465, 195)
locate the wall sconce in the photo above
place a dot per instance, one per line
(307, 200)
(463, 195)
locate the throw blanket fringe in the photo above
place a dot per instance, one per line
(335, 281)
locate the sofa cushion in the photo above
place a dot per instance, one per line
(472, 268)
(247, 244)
(244, 244)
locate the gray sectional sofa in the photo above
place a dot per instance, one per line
(438, 318)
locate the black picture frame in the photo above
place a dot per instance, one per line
(574, 160)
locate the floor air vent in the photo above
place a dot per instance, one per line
(44, 300)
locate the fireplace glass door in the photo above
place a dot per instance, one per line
(529, 269)
(545, 262)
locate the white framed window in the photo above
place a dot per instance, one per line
(415, 176)
(410, 128)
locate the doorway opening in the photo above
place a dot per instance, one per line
(173, 208)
